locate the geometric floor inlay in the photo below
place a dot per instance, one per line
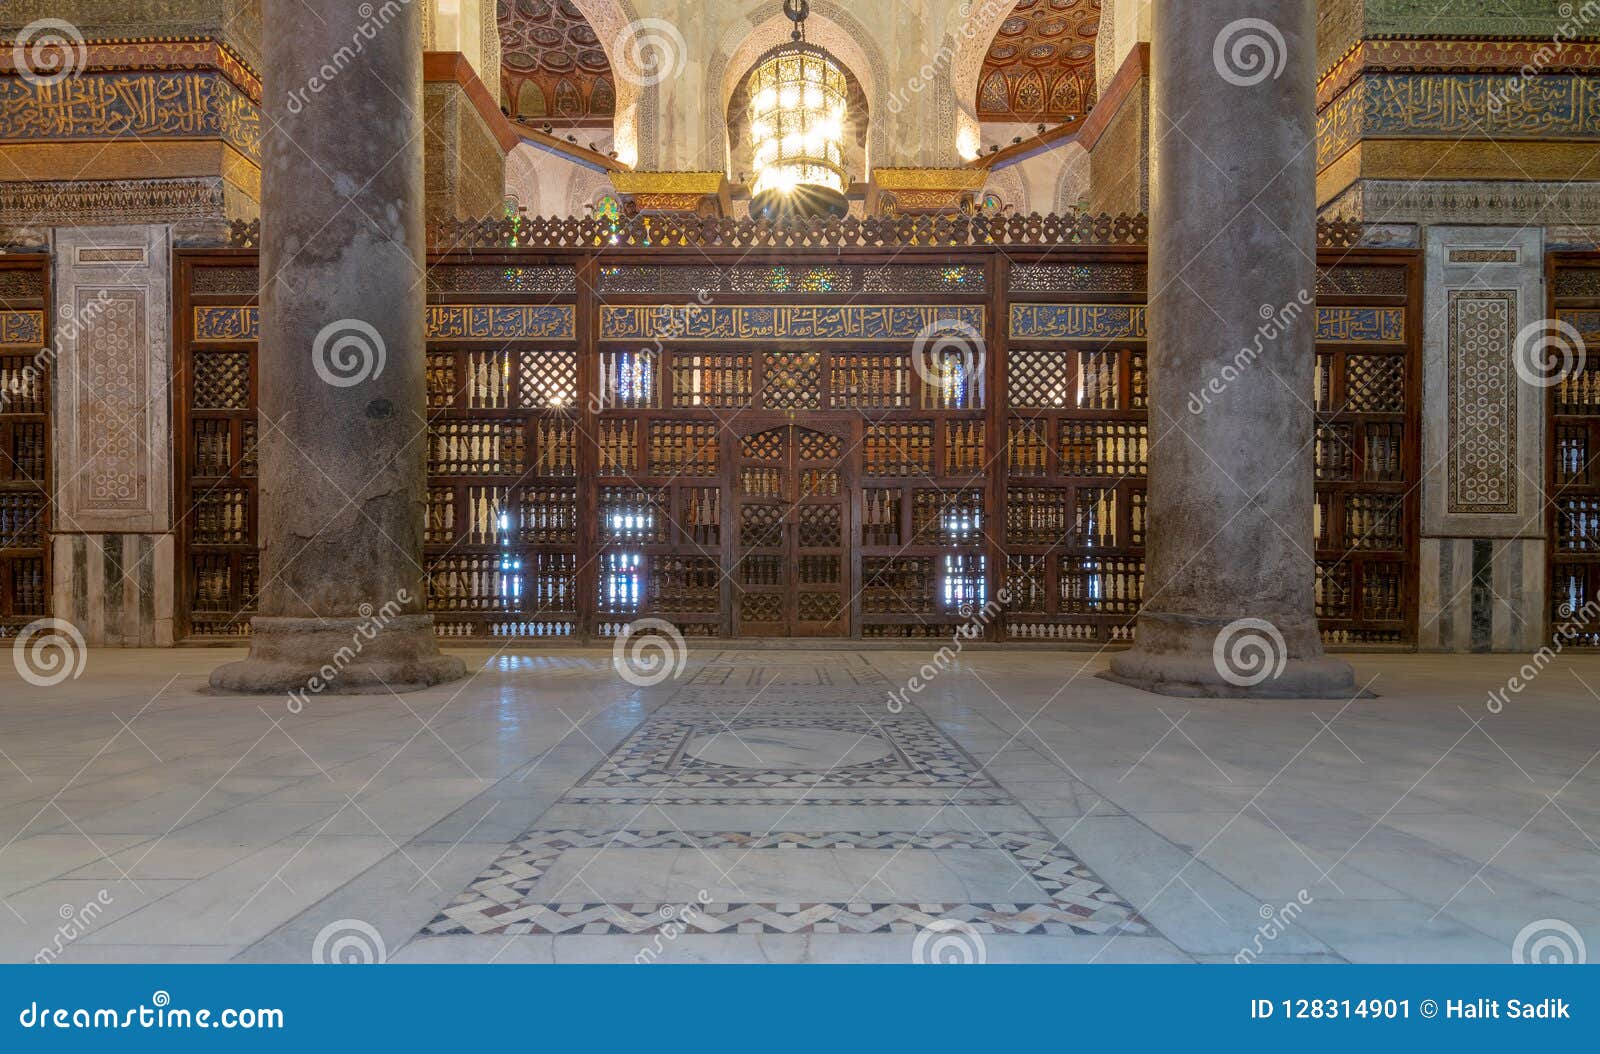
(1048, 891)
(828, 745)
(960, 798)
(708, 816)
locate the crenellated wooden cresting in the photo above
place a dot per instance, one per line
(955, 230)
(875, 430)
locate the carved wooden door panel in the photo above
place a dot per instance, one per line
(791, 555)
(821, 533)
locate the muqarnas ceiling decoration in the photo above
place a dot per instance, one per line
(1040, 65)
(552, 64)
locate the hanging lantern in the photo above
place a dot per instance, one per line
(798, 109)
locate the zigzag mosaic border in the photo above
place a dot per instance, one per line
(808, 799)
(497, 903)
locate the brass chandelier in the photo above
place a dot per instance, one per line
(798, 108)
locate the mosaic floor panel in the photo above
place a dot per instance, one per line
(779, 745)
(1048, 891)
(744, 741)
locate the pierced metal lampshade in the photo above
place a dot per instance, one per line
(798, 108)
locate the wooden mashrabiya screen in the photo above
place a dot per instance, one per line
(1573, 482)
(865, 429)
(26, 368)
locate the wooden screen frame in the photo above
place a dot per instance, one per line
(1557, 623)
(996, 262)
(42, 353)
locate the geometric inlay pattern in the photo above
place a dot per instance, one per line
(743, 750)
(1482, 401)
(910, 751)
(222, 380)
(1375, 384)
(1054, 893)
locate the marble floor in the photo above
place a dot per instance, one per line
(797, 805)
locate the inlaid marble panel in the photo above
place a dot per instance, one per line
(772, 745)
(114, 363)
(1483, 401)
(1482, 419)
(800, 882)
(786, 797)
(1481, 576)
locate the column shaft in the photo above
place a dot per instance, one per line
(341, 362)
(1230, 569)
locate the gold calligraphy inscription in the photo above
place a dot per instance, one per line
(770, 322)
(172, 105)
(1490, 106)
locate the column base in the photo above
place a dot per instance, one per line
(347, 656)
(1219, 658)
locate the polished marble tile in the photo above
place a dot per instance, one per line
(1059, 817)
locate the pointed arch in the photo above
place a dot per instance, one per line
(637, 107)
(530, 101)
(973, 26)
(993, 94)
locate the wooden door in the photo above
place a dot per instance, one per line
(791, 546)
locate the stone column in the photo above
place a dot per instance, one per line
(1229, 578)
(342, 390)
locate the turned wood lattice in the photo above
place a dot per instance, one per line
(25, 479)
(1573, 481)
(787, 454)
